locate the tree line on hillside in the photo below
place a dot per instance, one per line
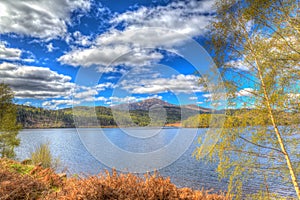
(33, 117)
(241, 118)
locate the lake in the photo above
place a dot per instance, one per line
(186, 171)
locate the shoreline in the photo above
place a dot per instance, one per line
(173, 125)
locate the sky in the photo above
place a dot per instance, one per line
(63, 53)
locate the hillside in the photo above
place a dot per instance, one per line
(33, 117)
(144, 105)
(241, 118)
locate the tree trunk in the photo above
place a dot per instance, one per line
(277, 132)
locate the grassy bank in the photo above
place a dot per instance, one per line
(21, 181)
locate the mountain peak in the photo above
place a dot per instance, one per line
(145, 104)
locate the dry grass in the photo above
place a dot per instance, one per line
(128, 186)
(28, 182)
(17, 186)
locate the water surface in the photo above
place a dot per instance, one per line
(184, 172)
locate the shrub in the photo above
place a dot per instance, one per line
(17, 186)
(18, 181)
(42, 154)
(128, 186)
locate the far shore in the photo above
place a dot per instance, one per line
(175, 125)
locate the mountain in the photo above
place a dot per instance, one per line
(144, 105)
(148, 103)
(174, 113)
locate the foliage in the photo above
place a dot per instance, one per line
(242, 118)
(257, 43)
(18, 181)
(42, 154)
(8, 122)
(32, 117)
(17, 186)
(128, 186)
(42, 183)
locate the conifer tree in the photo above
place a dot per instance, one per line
(8, 122)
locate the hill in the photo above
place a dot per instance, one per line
(83, 116)
(144, 105)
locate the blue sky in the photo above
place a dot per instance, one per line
(59, 53)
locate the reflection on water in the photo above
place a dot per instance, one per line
(184, 172)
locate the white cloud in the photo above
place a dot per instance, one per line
(29, 60)
(185, 17)
(82, 40)
(246, 92)
(208, 96)
(129, 99)
(28, 103)
(105, 56)
(39, 18)
(55, 103)
(212, 97)
(86, 94)
(89, 94)
(110, 69)
(81, 94)
(176, 83)
(7, 53)
(193, 98)
(50, 47)
(175, 21)
(35, 82)
(103, 86)
(237, 64)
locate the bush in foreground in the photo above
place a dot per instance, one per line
(42, 154)
(128, 186)
(19, 181)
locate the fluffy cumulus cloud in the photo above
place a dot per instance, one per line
(81, 40)
(185, 17)
(35, 82)
(7, 53)
(152, 27)
(39, 18)
(114, 100)
(110, 56)
(176, 84)
(81, 94)
(55, 103)
(90, 94)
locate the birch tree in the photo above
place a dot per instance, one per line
(256, 46)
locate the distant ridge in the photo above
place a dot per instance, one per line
(32, 117)
(148, 103)
(144, 105)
